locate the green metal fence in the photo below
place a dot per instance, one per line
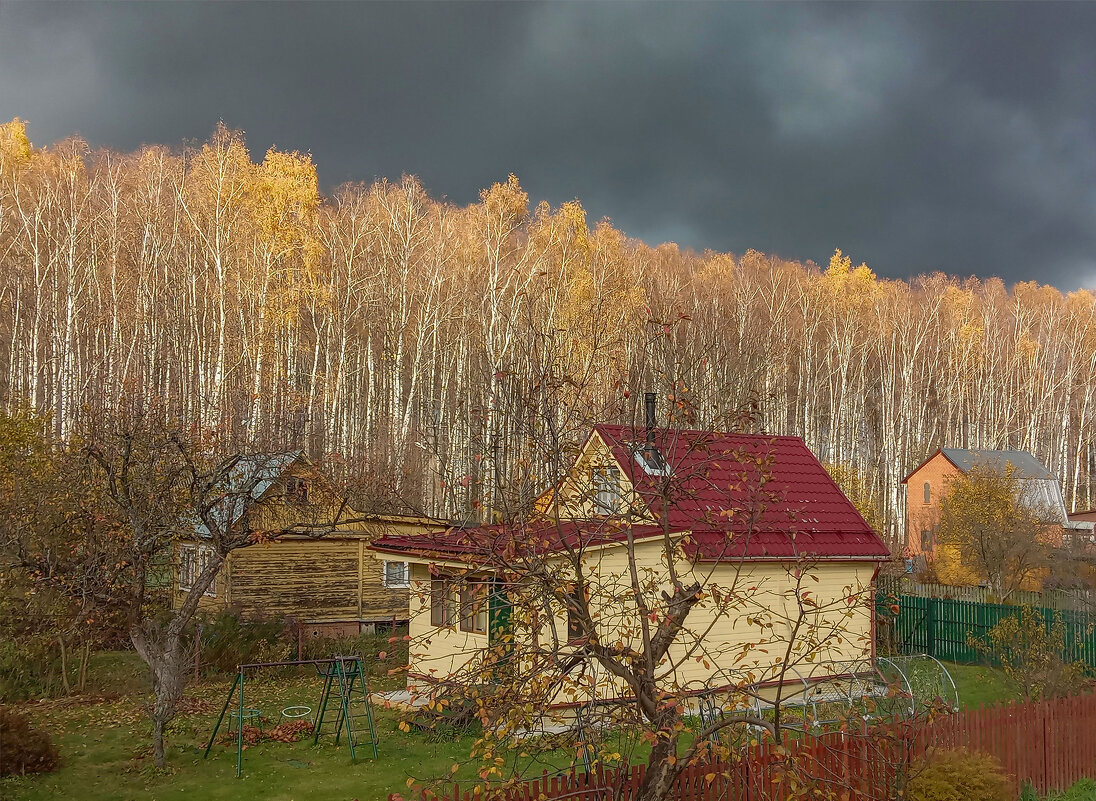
(942, 627)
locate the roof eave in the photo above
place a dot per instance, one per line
(938, 452)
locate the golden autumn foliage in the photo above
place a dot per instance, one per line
(989, 533)
(411, 336)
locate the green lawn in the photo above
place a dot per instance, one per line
(104, 743)
(979, 685)
(105, 751)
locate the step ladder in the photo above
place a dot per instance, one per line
(346, 698)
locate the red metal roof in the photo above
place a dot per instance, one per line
(517, 539)
(714, 490)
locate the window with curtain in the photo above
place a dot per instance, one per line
(606, 483)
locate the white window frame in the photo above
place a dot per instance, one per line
(640, 449)
(608, 497)
(401, 585)
(189, 568)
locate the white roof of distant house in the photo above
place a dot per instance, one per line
(263, 470)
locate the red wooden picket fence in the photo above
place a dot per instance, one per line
(1051, 744)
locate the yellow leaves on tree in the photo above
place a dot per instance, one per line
(507, 203)
(284, 198)
(602, 302)
(853, 282)
(15, 149)
(990, 527)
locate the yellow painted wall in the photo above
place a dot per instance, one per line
(575, 496)
(729, 641)
(436, 653)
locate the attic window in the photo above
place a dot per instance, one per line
(606, 484)
(650, 459)
(296, 490)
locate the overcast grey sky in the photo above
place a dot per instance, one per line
(915, 137)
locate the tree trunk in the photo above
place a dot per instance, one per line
(165, 660)
(64, 668)
(661, 773)
(162, 650)
(158, 727)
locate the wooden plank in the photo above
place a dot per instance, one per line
(361, 574)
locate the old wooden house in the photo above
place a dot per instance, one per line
(331, 584)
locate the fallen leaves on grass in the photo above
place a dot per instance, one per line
(190, 705)
(288, 732)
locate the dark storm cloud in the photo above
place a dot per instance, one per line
(915, 137)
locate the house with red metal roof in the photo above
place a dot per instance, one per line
(752, 517)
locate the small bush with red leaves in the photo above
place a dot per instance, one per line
(23, 748)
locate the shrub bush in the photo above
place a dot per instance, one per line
(370, 646)
(228, 641)
(25, 748)
(1030, 650)
(29, 668)
(959, 775)
(1084, 790)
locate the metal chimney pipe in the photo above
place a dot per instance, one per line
(650, 400)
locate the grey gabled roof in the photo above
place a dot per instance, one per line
(1024, 464)
(264, 469)
(1039, 489)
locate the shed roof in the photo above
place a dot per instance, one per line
(262, 469)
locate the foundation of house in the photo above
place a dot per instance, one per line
(348, 628)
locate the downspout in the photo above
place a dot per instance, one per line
(872, 607)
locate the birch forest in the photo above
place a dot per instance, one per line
(433, 350)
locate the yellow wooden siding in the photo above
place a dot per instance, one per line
(575, 495)
(729, 640)
(436, 653)
(326, 579)
(309, 580)
(329, 578)
(732, 644)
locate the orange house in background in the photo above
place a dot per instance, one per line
(928, 483)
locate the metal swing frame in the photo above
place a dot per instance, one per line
(346, 674)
